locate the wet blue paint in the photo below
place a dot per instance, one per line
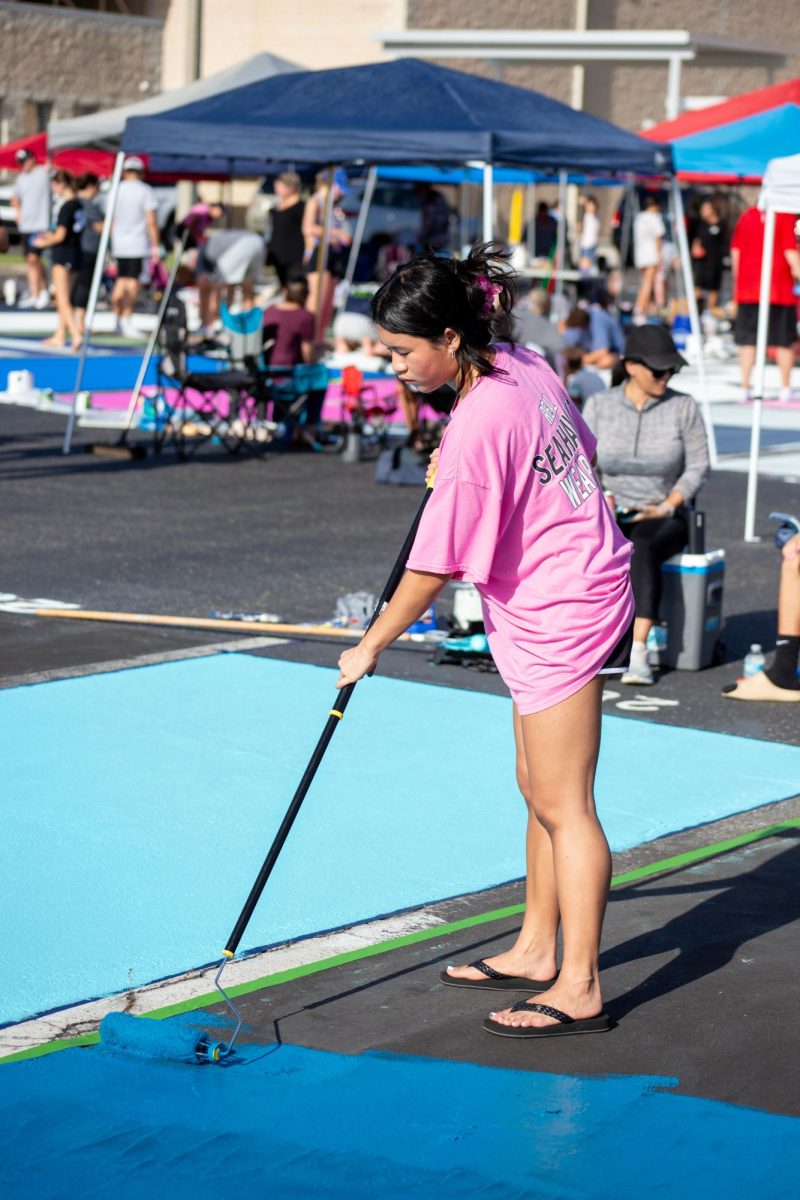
(141, 804)
(293, 1123)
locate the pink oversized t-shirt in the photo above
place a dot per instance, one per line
(517, 510)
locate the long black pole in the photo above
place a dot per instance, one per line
(334, 717)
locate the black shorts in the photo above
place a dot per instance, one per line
(129, 268)
(29, 246)
(781, 331)
(708, 274)
(619, 658)
(82, 283)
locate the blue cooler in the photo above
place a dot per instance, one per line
(691, 609)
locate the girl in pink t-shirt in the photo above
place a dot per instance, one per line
(517, 510)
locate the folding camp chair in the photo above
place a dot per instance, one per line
(226, 405)
(296, 398)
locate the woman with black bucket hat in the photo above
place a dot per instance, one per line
(652, 457)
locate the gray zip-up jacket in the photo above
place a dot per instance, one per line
(644, 454)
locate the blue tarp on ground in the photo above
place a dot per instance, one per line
(394, 112)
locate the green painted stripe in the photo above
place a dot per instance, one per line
(662, 866)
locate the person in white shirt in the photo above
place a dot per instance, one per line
(590, 236)
(648, 237)
(32, 207)
(134, 238)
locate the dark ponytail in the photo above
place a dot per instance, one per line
(473, 296)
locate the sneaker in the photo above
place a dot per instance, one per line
(639, 670)
(129, 330)
(746, 396)
(42, 300)
(786, 396)
(27, 301)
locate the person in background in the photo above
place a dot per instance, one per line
(580, 382)
(652, 457)
(589, 239)
(134, 238)
(545, 231)
(229, 259)
(285, 244)
(88, 188)
(290, 326)
(434, 223)
(648, 236)
(198, 221)
(708, 250)
(779, 681)
(747, 248)
(64, 244)
(321, 290)
(592, 327)
(32, 207)
(532, 327)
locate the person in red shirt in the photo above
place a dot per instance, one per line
(746, 251)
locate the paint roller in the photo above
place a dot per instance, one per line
(149, 1038)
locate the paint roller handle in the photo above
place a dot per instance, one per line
(334, 717)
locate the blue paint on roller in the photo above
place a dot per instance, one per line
(169, 1041)
(142, 802)
(292, 1122)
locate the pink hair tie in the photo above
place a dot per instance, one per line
(490, 292)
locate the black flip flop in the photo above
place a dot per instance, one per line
(496, 981)
(566, 1024)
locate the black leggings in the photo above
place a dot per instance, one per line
(653, 543)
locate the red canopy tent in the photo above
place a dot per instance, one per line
(732, 142)
(98, 162)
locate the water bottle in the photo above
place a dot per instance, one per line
(754, 661)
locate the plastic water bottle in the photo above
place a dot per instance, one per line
(754, 661)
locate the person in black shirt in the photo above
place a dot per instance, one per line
(709, 245)
(286, 246)
(64, 243)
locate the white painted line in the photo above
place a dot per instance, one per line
(80, 1019)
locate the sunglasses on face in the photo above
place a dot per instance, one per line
(664, 373)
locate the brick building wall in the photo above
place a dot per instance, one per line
(64, 62)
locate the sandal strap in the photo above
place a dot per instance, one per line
(489, 972)
(545, 1010)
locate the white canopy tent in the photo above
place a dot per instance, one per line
(107, 127)
(780, 193)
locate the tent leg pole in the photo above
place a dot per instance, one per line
(94, 291)
(151, 345)
(488, 202)
(694, 316)
(561, 243)
(760, 367)
(358, 237)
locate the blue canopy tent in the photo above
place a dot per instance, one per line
(393, 112)
(386, 113)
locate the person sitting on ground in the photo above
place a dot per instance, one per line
(290, 325)
(580, 382)
(64, 244)
(652, 457)
(779, 681)
(134, 237)
(533, 327)
(354, 334)
(606, 340)
(230, 259)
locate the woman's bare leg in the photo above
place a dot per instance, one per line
(65, 316)
(561, 749)
(533, 955)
